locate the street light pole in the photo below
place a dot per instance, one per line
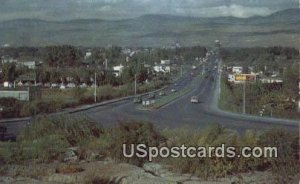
(135, 85)
(299, 87)
(95, 85)
(181, 70)
(244, 97)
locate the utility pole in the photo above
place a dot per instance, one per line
(299, 86)
(135, 85)
(95, 85)
(106, 64)
(181, 71)
(244, 97)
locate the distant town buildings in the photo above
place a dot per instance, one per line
(28, 64)
(8, 60)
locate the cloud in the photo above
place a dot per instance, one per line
(237, 11)
(120, 9)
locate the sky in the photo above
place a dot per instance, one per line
(59, 10)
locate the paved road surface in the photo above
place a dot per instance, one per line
(182, 113)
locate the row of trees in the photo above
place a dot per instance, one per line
(275, 58)
(63, 62)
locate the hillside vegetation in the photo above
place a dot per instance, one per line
(157, 30)
(47, 139)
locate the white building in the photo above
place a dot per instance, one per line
(165, 62)
(237, 69)
(118, 70)
(271, 80)
(231, 78)
(88, 54)
(7, 59)
(28, 64)
(162, 68)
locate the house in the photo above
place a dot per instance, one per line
(237, 69)
(7, 85)
(231, 78)
(118, 70)
(22, 94)
(271, 80)
(88, 54)
(71, 85)
(162, 68)
(8, 59)
(165, 62)
(29, 78)
(28, 64)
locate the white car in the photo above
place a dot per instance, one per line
(194, 99)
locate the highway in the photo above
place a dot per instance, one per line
(181, 112)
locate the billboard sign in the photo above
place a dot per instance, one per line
(245, 77)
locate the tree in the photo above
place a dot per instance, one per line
(142, 75)
(291, 80)
(127, 75)
(9, 72)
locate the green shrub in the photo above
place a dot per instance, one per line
(133, 133)
(11, 107)
(7, 152)
(44, 148)
(73, 128)
(214, 135)
(39, 106)
(287, 163)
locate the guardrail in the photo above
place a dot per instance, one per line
(81, 108)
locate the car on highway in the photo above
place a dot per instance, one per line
(137, 99)
(194, 99)
(173, 90)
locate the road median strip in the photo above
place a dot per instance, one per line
(168, 99)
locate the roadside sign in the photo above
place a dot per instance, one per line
(245, 77)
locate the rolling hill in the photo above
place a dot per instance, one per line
(280, 28)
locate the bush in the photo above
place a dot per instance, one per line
(7, 152)
(45, 148)
(11, 107)
(73, 128)
(39, 106)
(287, 163)
(133, 133)
(215, 135)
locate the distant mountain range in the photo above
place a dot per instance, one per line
(280, 28)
